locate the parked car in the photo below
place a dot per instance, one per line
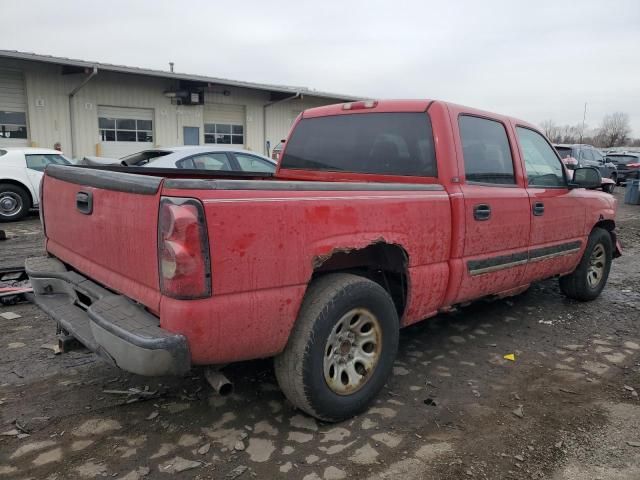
(628, 165)
(369, 225)
(607, 184)
(190, 157)
(21, 171)
(589, 156)
(277, 150)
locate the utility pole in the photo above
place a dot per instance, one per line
(584, 117)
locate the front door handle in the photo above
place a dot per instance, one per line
(482, 212)
(538, 209)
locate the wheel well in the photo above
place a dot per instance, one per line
(608, 225)
(384, 263)
(18, 184)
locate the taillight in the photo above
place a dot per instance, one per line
(633, 165)
(183, 249)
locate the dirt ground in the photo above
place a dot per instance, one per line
(566, 408)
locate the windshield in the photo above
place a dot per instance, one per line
(378, 143)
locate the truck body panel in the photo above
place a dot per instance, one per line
(443, 238)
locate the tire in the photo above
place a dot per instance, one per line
(609, 188)
(582, 284)
(304, 368)
(15, 202)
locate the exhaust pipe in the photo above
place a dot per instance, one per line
(219, 382)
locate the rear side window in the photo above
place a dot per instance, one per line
(40, 161)
(564, 152)
(206, 161)
(541, 162)
(378, 143)
(486, 152)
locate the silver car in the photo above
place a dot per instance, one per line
(214, 158)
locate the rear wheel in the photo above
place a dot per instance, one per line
(15, 202)
(589, 279)
(609, 187)
(342, 348)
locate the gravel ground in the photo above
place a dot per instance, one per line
(566, 408)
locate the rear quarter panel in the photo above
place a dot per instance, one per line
(264, 245)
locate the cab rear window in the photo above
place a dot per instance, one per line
(376, 143)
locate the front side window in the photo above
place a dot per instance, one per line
(251, 163)
(125, 130)
(586, 154)
(377, 143)
(40, 161)
(542, 165)
(224, 133)
(13, 125)
(486, 151)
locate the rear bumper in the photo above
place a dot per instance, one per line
(117, 329)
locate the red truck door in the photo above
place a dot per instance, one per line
(557, 214)
(496, 209)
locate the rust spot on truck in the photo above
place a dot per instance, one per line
(319, 260)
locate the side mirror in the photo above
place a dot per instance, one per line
(586, 177)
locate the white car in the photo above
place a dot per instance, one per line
(212, 157)
(21, 170)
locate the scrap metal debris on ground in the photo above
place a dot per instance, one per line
(14, 284)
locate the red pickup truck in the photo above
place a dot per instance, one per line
(381, 214)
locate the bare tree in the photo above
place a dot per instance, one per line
(570, 133)
(615, 129)
(551, 131)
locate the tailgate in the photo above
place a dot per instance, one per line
(105, 225)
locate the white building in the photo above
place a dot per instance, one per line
(111, 110)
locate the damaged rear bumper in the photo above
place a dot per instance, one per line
(120, 331)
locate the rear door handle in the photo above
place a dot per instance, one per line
(482, 212)
(538, 209)
(84, 202)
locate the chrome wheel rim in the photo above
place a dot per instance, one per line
(597, 262)
(10, 204)
(352, 351)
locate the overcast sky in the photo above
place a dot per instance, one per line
(535, 60)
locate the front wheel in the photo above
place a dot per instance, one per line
(589, 278)
(342, 348)
(609, 187)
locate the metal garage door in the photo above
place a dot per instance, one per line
(224, 124)
(124, 130)
(13, 109)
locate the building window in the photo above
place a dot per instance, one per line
(125, 130)
(224, 133)
(13, 125)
